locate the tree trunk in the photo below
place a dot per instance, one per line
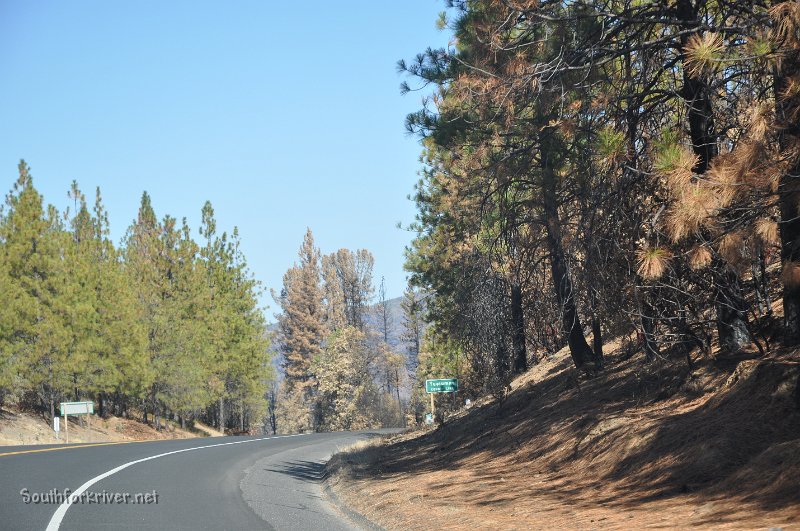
(597, 340)
(789, 195)
(518, 333)
(399, 402)
(571, 325)
(649, 344)
(731, 315)
(221, 426)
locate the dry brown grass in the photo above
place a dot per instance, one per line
(637, 446)
(22, 427)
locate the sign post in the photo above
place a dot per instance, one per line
(440, 385)
(76, 408)
(56, 425)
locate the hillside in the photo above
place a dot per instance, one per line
(24, 428)
(634, 446)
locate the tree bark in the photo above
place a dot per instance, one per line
(730, 304)
(649, 344)
(731, 317)
(571, 325)
(518, 334)
(597, 340)
(221, 426)
(789, 195)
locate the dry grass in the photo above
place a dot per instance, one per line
(20, 427)
(655, 446)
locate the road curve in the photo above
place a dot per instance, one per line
(212, 483)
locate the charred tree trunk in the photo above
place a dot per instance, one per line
(571, 325)
(649, 344)
(221, 422)
(518, 332)
(730, 309)
(597, 340)
(731, 316)
(789, 193)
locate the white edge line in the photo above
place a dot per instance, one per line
(58, 516)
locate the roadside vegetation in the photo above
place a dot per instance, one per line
(345, 367)
(608, 240)
(162, 327)
(598, 169)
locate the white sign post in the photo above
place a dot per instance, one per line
(56, 425)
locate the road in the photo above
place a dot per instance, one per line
(212, 483)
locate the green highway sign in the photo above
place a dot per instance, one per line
(442, 385)
(77, 408)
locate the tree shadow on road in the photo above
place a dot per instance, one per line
(312, 471)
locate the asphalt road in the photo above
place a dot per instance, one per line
(211, 483)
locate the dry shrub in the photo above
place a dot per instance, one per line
(653, 262)
(699, 257)
(692, 210)
(731, 247)
(677, 165)
(767, 231)
(703, 53)
(787, 16)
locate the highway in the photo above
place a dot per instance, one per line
(221, 483)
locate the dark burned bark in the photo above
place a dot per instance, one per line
(789, 189)
(518, 332)
(101, 404)
(651, 351)
(696, 94)
(731, 317)
(221, 421)
(597, 339)
(730, 305)
(571, 325)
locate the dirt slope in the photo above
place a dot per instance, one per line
(24, 428)
(636, 446)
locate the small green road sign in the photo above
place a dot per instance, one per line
(442, 385)
(77, 408)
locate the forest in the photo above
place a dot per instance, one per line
(601, 169)
(161, 327)
(347, 363)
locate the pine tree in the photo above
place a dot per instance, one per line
(302, 327)
(34, 335)
(412, 324)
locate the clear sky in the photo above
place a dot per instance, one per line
(285, 115)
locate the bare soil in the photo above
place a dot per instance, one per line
(23, 428)
(635, 446)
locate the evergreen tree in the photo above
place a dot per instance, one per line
(34, 335)
(301, 325)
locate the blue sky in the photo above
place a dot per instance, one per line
(284, 115)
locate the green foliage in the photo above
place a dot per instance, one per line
(668, 153)
(161, 324)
